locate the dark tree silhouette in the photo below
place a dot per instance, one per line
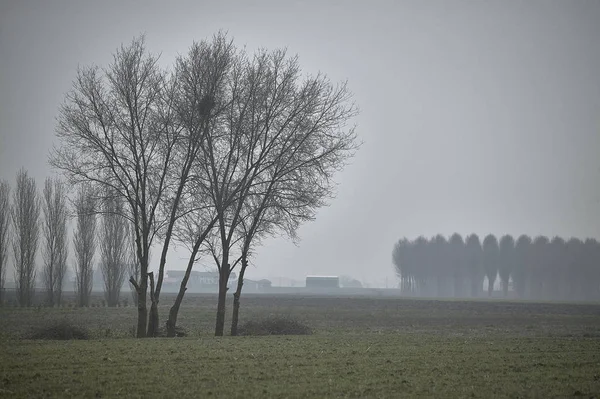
(474, 261)
(25, 213)
(539, 263)
(506, 261)
(522, 267)
(574, 262)
(439, 265)
(591, 269)
(557, 272)
(423, 273)
(400, 262)
(490, 260)
(458, 265)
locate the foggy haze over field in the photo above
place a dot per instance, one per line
(477, 117)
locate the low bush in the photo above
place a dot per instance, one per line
(274, 326)
(59, 330)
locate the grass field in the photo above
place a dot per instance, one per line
(361, 347)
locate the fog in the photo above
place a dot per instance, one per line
(476, 117)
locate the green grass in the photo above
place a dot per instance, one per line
(362, 347)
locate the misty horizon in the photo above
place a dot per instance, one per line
(475, 117)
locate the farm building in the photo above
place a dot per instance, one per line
(322, 282)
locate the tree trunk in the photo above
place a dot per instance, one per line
(153, 317)
(141, 291)
(173, 312)
(153, 322)
(490, 287)
(154, 297)
(236, 298)
(172, 321)
(223, 278)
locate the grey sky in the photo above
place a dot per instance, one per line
(477, 116)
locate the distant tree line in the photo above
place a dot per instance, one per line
(539, 268)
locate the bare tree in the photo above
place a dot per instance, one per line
(122, 128)
(25, 216)
(115, 132)
(114, 248)
(281, 203)
(203, 78)
(196, 101)
(4, 233)
(84, 240)
(54, 204)
(193, 232)
(262, 220)
(281, 130)
(491, 254)
(506, 261)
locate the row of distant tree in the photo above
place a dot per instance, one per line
(539, 268)
(36, 221)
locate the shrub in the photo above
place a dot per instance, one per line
(274, 326)
(59, 330)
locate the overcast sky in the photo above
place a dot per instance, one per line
(476, 116)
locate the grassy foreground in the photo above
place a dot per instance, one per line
(444, 350)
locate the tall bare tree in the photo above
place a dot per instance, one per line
(25, 214)
(114, 248)
(196, 101)
(4, 233)
(122, 128)
(115, 131)
(506, 261)
(55, 250)
(280, 128)
(279, 202)
(84, 240)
